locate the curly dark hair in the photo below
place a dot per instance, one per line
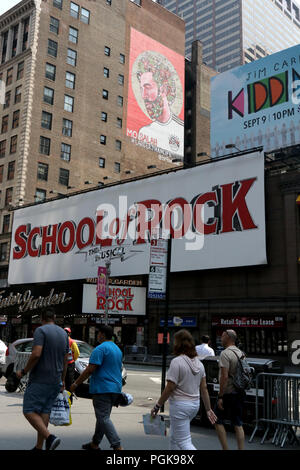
(184, 344)
(163, 76)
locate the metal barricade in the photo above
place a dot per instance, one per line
(135, 353)
(279, 413)
(19, 364)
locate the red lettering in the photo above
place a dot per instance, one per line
(236, 205)
(200, 226)
(146, 225)
(99, 224)
(33, 251)
(19, 251)
(79, 233)
(49, 239)
(186, 217)
(100, 303)
(127, 305)
(63, 246)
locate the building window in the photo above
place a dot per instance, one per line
(48, 95)
(117, 167)
(104, 116)
(103, 139)
(6, 223)
(107, 50)
(45, 145)
(2, 148)
(74, 10)
(25, 35)
(63, 177)
(119, 123)
(72, 57)
(54, 25)
(16, 119)
(73, 35)
(9, 76)
(18, 94)
(105, 94)
(70, 80)
(58, 4)
(65, 153)
(101, 162)
(85, 16)
(3, 251)
(13, 144)
(67, 127)
(42, 171)
(52, 48)
(106, 72)
(69, 103)
(8, 196)
(1, 173)
(11, 170)
(120, 101)
(20, 71)
(121, 79)
(46, 120)
(4, 46)
(122, 59)
(14, 41)
(7, 100)
(118, 145)
(40, 195)
(4, 126)
(50, 72)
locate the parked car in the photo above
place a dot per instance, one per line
(25, 346)
(3, 349)
(211, 365)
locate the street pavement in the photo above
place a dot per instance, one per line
(144, 384)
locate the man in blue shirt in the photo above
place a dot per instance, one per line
(105, 369)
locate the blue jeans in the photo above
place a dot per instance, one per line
(103, 403)
(39, 398)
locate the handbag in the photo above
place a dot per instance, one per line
(61, 410)
(155, 426)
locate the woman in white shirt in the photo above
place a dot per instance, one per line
(185, 380)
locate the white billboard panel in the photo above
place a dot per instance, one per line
(215, 213)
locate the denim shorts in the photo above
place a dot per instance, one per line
(233, 408)
(39, 398)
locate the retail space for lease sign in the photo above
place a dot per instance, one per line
(257, 104)
(215, 214)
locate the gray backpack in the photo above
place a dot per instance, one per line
(242, 380)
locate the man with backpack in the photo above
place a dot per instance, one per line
(234, 379)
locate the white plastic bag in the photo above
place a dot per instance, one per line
(61, 410)
(155, 426)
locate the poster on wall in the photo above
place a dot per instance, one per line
(257, 104)
(155, 111)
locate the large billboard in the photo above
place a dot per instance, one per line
(214, 212)
(257, 104)
(155, 110)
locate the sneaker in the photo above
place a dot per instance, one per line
(52, 442)
(89, 447)
(35, 448)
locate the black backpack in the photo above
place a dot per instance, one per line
(242, 380)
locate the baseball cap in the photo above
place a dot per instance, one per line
(68, 330)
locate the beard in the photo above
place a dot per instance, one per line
(155, 108)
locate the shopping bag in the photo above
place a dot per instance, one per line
(61, 410)
(155, 426)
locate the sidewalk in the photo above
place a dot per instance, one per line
(17, 434)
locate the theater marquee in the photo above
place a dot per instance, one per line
(215, 214)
